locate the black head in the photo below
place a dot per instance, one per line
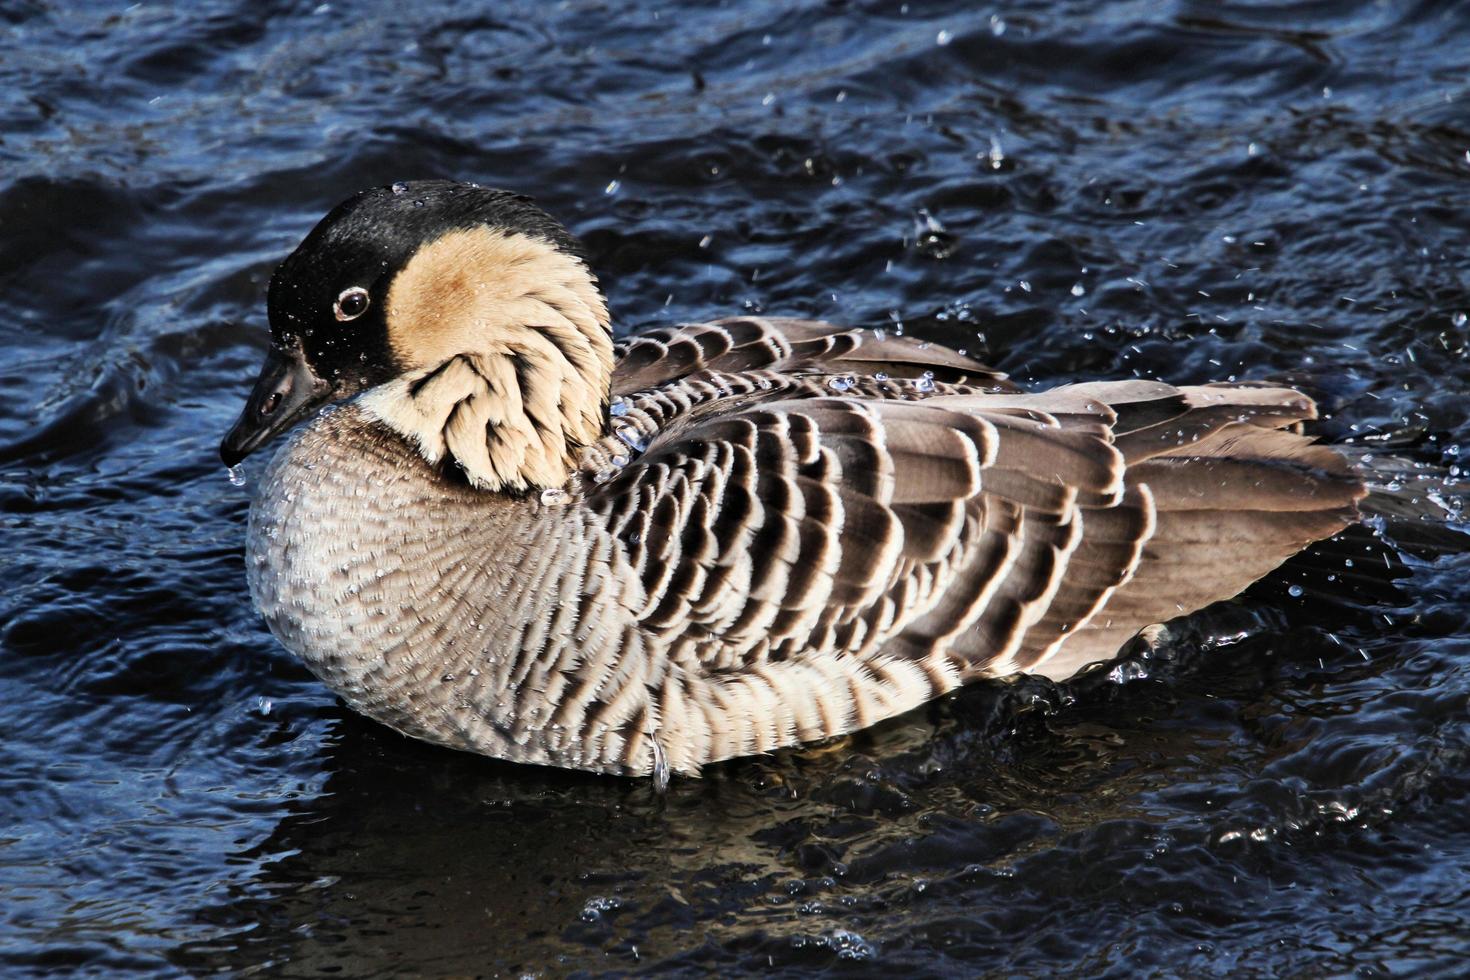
(327, 302)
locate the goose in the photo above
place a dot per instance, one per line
(506, 531)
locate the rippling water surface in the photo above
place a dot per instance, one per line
(1069, 189)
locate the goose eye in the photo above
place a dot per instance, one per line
(351, 303)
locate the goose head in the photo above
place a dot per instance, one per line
(463, 318)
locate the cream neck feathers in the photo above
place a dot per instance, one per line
(508, 358)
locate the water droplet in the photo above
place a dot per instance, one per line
(996, 156)
(943, 38)
(660, 768)
(237, 476)
(880, 376)
(997, 25)
(930, 237)
(924, 382)
(264, 706)
(632, 438)
(1295, 591)
(596, 906)
(399, 187)
(1025, 286)
(1078, 289)
(840, 383)
(1458, 318)
(553, 497)
(618, 407)
(612, 187)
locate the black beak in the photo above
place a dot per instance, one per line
(286, 390)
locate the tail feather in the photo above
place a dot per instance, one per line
(1235, 492)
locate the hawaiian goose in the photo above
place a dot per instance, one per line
(524, 539)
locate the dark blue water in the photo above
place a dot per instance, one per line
(1069, 189)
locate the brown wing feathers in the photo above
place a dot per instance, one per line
(739, 344)
(977, 532)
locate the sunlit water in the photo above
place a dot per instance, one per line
(1187, 190)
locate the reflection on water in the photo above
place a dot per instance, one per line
(1069, 190)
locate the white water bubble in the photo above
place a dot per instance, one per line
(597, 906)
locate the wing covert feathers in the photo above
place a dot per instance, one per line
(815, 557)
